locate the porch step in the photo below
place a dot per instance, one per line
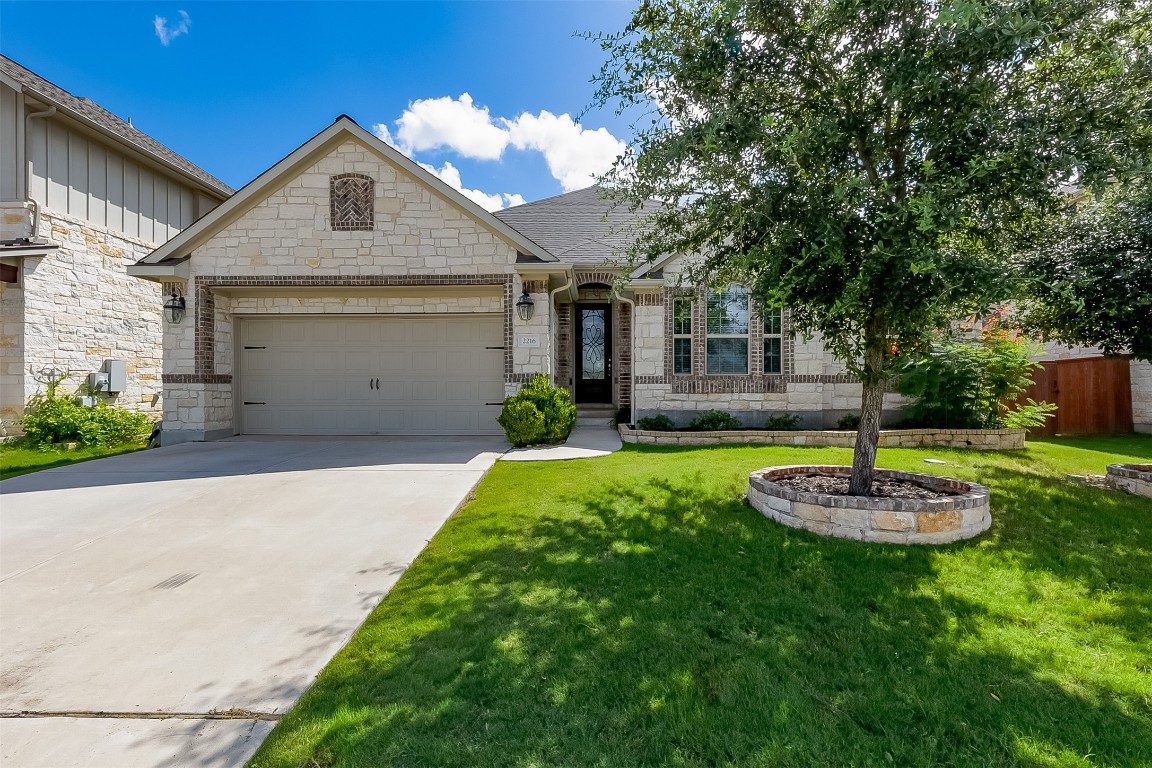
(595, 415)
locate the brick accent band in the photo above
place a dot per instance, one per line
(536, 286)
(196, 378)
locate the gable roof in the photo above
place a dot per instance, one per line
(342, 129)
(92, 114)
(580, 227)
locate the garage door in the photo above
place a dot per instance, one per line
(371, 375)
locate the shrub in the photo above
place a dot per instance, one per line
(657, 423)
(849, 421)
(966, 383)
(54, 419)
(549, 417)
(783, 422)
(1032, 414)
(623, 415)
(715, 421)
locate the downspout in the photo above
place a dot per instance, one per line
(27, 182)
(555, 331)
(631, 356)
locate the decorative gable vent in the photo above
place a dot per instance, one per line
(352, 201)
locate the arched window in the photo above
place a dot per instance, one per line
(353, 201)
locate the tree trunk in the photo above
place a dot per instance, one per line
(871, 405)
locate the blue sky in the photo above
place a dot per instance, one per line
(236, 86)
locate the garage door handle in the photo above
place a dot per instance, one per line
(495, 347)
(377, 383)
(371, 385)
(499, 403)
(253, 402)
(255, 347)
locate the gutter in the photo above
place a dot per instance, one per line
(552, 308)
(632, 356)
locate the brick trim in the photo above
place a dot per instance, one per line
(535, 286)
(195, 378)
(649, 299)
(587, 278)
(205, 342)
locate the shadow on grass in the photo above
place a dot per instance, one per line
(663, 622)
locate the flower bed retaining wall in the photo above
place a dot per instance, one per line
(871, 518)
(1134, 478)
(976, 439)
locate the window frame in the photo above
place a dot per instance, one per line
(680, 336)
(746, 336)
(777, 336)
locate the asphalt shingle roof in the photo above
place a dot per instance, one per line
(105, 120)
(577, 227)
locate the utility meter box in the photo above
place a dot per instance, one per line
(117, 372)
(98, 382)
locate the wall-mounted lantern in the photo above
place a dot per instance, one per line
(525, 305)
(174, 308)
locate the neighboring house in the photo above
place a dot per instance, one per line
(348, 291)
(83, 195)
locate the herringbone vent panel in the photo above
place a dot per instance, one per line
(352, 201)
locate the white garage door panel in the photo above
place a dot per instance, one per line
(317, 376)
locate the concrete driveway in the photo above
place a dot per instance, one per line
(165, 607)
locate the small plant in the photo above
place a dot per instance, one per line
(849, 422)
(783, 422)
(623, 415)
(1032, 414)
(715, 421)
(538, 413)
(55, 419)
(657, 423)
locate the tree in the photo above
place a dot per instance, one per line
(1090, 275)
(857, 161)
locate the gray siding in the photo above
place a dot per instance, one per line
(11, 178)
(72, 173)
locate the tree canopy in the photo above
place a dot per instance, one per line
(1090, 274)
(858, 160)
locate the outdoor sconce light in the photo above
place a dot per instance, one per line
(174, 309)
(524, 306)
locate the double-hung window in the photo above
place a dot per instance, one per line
(773, 340)
(727, 327)
(682, 336)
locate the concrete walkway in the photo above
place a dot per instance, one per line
(200, 579)
(583, 443)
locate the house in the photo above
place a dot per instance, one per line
(83, 195)
(347, 290)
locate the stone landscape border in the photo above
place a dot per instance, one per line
(1134, 478)
(871, 518)
(975, 439)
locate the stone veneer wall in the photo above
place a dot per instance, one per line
(1141, 395)
(417, 240)
(975, 439)
(75, 308)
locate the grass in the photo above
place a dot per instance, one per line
(19, 459)
(634, 611)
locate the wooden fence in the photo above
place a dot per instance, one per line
(1093, 394)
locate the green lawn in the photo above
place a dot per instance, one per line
(633, 611)
(17, 459)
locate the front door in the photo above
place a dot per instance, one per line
(594, 353)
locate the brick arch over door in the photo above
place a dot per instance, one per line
(595, 278)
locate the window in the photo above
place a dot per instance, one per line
(682, 336)
(727, 344)
(353, 201)
(773, 341)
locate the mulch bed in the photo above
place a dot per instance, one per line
(838, 486)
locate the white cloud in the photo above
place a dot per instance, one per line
(450, 175)
(166, 34)
(455, 124)
(575, 155)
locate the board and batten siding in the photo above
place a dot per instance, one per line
(72, 173)
(11, 116)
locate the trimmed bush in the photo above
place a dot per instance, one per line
(548, 418)
(849, 422)
(53, 419)
(783, 422)
(715, 421)
(657, 423)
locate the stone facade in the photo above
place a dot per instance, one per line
(422, 255)
(974, 439)
(870, 518)
(1141, 395)
(75, 308)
